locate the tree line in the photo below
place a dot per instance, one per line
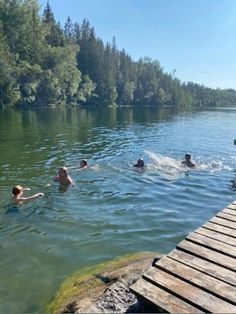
(44, 63)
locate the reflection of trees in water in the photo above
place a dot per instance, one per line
(112, 116)
(75, 125)
(38, 123)
(30, 137)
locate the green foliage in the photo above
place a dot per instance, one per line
(207, 97)
(53, 33)
(42, 63)
(38, 63)
(9, 91)
(61, 78)
(127, 94)
(29, 77)
(86, 89)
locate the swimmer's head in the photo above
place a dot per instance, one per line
(187, 157)
(63, 172)
(17, 189)
(140, 163)
(83, 163)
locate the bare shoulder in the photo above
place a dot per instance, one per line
(70, 181)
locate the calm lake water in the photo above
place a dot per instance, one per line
(113, 209)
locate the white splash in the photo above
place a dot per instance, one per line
(172, 169)
(168, 167)
(214, 166)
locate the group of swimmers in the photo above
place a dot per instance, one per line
(64, 179)
(186, 162)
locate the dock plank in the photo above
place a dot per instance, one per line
(212, 244)
(161, 298)
(188, 292)
(226, 216)
(204, 266)
(229, 211)
(208, 254)
(223, 222)
(212, 234)
(200, 274)
(221, 229)
(199, 279)
(232, 206)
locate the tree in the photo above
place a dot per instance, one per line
(43, 63)
(9, 89)
(53, 33)
(69, 31)
(61, 78)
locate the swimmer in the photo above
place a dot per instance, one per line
(83, 164)
(17, 192)
(63, 177)
(187, 162)
(139, 164)
(233, 183)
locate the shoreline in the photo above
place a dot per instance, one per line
(103, 288)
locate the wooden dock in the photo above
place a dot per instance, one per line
(200, 274)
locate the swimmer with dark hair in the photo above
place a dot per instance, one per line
(233, 183)
(83, 164)
(139, 164)
(187, 162)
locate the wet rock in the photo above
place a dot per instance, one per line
(105, 289)
(117, 298)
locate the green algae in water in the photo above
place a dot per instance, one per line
(89, 278)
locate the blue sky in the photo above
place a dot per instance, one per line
(197, 38)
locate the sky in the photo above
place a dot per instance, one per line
(194, 38)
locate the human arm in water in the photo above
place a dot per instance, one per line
(29, 198)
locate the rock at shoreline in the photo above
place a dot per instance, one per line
(105, 288)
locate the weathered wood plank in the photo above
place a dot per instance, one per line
(232, 206)
(226, 216)
(223, 222)
(200, 274)
(229, 211)
(188, 292)
(204, 266)
(212, 244)
(196, 277)
(161, 298)
(217, 236)
(220, 229)
(208, 254)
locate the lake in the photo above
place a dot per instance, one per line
(113, 208)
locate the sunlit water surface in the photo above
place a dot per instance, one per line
(112, 209)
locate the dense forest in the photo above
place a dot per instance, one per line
(44, 63)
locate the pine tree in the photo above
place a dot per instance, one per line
(54, 35)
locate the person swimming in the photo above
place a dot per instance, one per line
(83, 164)
(17, 194)
(139, 164)
(187, 162)
(63, 177)
(233, 183)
